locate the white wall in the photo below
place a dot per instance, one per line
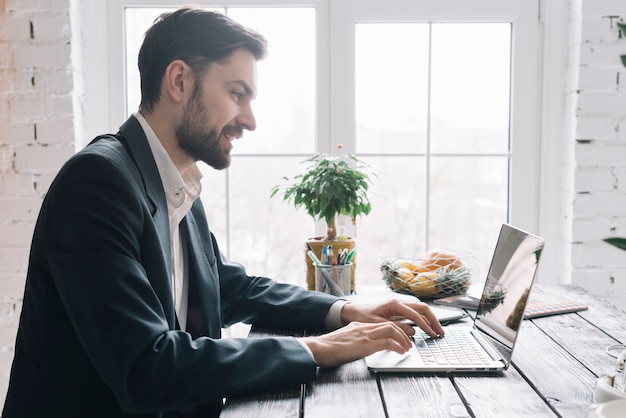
(41, 108)
(599, 199)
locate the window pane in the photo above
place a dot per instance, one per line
(425, 198)
(398, 212)
(470, 87)
(285, 106)
(469, 196)
(391, 87)
(266, 235)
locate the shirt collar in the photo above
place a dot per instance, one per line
(175, 185)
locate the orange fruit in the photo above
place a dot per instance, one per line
(423, 284)
(435, 259)
(414, 266)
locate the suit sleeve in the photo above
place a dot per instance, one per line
(260, 300)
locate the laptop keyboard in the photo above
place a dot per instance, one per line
(458, 347)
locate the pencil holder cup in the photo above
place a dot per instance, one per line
(316, 245)
(334, 280)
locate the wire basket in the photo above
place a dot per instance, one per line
(434, 274)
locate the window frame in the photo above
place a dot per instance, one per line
(523, 194)
(534, 205)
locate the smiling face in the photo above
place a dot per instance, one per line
(219, 110)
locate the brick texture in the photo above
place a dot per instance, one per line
(36, 137)
(600, 146)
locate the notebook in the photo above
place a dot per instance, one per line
(546, 303)
(541, 303)
(498, 319)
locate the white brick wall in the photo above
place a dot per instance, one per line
(38, 115)
(36, 137)
(600, 151)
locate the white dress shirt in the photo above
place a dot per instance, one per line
(180, 192)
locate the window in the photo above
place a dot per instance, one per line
(436, 130)
(441, 99)
(438, 97)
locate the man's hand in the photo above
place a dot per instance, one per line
(372, 328)
(357, 340)
(394, 310)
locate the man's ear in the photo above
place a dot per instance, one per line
(177, 81)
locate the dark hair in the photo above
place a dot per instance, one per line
(196, 36)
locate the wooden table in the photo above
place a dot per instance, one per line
(556, 364)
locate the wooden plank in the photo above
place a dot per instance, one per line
(505, 394)
(260, 332)
(583, 341)
(281, 403)
(601, 326)
(563, 381)
(347, 391)
(601, 313)
(411, 395)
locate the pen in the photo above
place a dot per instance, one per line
(313, 258)
(342, 257)
(350, 255)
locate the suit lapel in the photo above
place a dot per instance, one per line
(203, 314)
(137, 144)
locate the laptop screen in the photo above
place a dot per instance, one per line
(509, 280)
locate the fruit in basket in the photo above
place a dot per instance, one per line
(403, 274)
(413, 266)
(424, 284)
(435, 259)
(438, 273)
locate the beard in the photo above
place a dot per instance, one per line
(198, 141)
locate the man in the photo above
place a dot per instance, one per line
(127, 291)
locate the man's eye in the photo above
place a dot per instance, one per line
(237, 94)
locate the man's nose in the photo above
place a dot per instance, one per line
(246, 118)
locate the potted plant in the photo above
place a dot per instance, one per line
(332, 185)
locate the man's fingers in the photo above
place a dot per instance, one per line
(422, 316)
(394, 333)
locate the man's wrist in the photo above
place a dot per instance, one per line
(334, 317)
(348, 314)
(306, 347)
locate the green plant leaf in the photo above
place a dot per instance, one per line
(331, 185)
(617, 242)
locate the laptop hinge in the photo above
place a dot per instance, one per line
(493, 353)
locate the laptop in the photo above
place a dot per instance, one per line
(499, 316)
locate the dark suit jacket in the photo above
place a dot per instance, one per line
(98, 334)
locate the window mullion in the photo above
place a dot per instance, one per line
(428, 155)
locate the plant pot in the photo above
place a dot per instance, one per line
(316, 244)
